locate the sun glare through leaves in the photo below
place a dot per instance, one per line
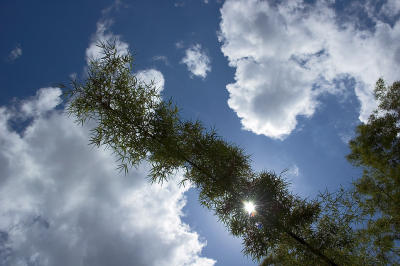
(250, 207)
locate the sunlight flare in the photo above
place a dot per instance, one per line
(249, 207)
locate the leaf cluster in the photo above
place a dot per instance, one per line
(131, 118)
(376, 149)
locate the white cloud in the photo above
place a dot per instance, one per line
(62, 202)
(161, 58)
(46, 99)
(391, 8)
(103, 34)
(196, 60)
(15, 53)
(287, 55)
(148, 76)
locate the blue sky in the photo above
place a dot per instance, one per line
(286, 80)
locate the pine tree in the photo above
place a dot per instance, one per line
(137, 124)
(376, 149)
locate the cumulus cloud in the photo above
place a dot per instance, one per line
(46, 99)
(288, 54)
(15, 53)
(62, 202)
(103, 34)
(151, 76)
(391, 8)
(196, 60)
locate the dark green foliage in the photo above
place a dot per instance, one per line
(133, 120)
(376, 148)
